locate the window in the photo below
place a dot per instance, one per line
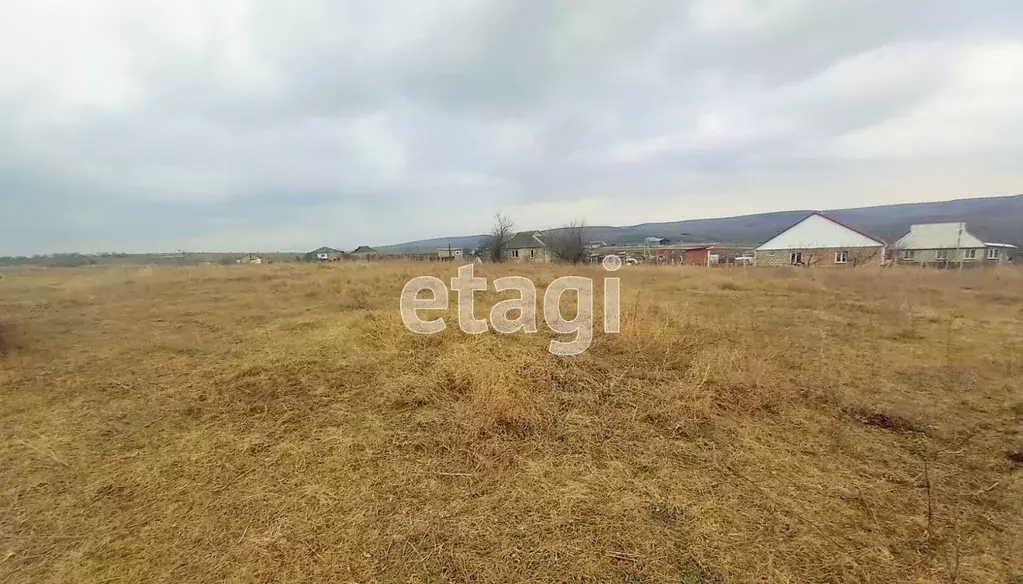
(941, 255)
(514, 253)
(796, 257)
(907, 254)
(841, 257)
(992, 253)
(969, 254)
(532, 253)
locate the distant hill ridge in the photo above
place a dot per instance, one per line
(990, 218)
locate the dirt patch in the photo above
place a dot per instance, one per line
(1015, 455)
(6, 338)
(884, 420)
(693, 573)
(666, 513)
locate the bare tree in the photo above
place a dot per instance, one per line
(500, 233)
(568, 242)
(862, 259)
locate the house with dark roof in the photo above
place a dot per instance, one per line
(819, 240)
(944, 244)
(325, 254)
(364, 252)
(527, 246)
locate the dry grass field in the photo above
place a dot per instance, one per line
(279, 424)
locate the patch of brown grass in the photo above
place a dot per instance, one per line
(885, 420)
(278, 423)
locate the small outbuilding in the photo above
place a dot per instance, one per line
(454, 253)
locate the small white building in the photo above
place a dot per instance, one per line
(454, 253)
(250, 258)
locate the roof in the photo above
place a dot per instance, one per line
(525, 239)
(364, 249)
(326, 250)
(938, 236)
(818, 231)
(1007, 245)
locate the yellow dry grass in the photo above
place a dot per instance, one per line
(278, 424)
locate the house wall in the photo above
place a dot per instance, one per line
(695, 257)
(821, 257)
(455, 252)
(930, 257)
(1006, 255)
(528, 254)
(325, 256)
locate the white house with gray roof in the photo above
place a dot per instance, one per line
(940, 244)
(819, 240)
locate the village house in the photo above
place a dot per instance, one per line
(250, 258)
(527, 246)
(326, 254)
(818, 240)
(945, 244)
(454, 253)
(418, 256)
(364, 252)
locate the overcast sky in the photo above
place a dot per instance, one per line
(265, 125)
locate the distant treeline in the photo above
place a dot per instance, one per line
(69, 260)
(73, 260)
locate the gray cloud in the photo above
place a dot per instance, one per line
(146, 126)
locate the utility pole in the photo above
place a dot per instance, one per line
(959, 243)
